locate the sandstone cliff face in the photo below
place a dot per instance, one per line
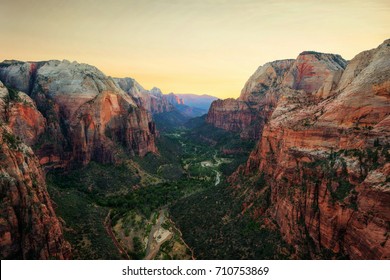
(18, 110)
(29, 228)
(188, 111)
(267, 76)
(152, 100)
(324, 155)
(248, 114)
(159, 103)
(18, 74)
(313, 71)
(174, 99)
(232, 115)
(81, 105)
(106, 120)
(310, 72)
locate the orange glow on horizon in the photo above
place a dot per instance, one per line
(203, 47)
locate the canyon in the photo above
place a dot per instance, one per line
(296, 167)
(63, 115)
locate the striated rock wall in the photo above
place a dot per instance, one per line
(248, 114)
(174, 99)
(19, 111)
(324, 155)
(159, 103)
(152, 100)
(233, 115)
(106, 120)
(29, 228)
(87, 114)
(310, 72)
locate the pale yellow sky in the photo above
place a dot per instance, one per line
(188, 46)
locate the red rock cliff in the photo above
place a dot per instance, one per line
(19, 111)
(324, 155)
(88, 116)
(248, 114)
(29, 228)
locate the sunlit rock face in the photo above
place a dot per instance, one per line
(324, 153)
(152, 100)
(87, 114)
(19, 111)
(310, 72)
(248, 114)
(174, 99)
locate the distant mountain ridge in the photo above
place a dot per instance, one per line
(198, 101)
(155, 101)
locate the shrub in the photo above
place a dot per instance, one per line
(13, 94)
(11, 140)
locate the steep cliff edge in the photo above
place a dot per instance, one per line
(152, 100)
(324, 159)
(310, 72)
(29, 228)
(88, 116)
(174, 99)
(19, 111)
(248, 114)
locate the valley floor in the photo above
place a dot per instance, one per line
(175, 205)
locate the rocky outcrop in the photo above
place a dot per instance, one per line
(88, 116)
(324, 156)
(29, 227)
(248, 114)
(190, 110)
(174, 104)
(310, 72)
(159, 103)
(18, 110)
(267, 77)
(106, 120)
(174, 99)
(18, 74)
(152, 100)
(233, 115)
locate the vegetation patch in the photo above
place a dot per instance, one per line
(12, 141)
(212, 225)
(84, 222)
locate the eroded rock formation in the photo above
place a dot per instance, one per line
(87, 114)
(323, 156)
(152, 100)
(29, 227)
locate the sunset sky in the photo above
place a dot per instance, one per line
(188, 46)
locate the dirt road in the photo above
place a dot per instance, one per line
(107, 226)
